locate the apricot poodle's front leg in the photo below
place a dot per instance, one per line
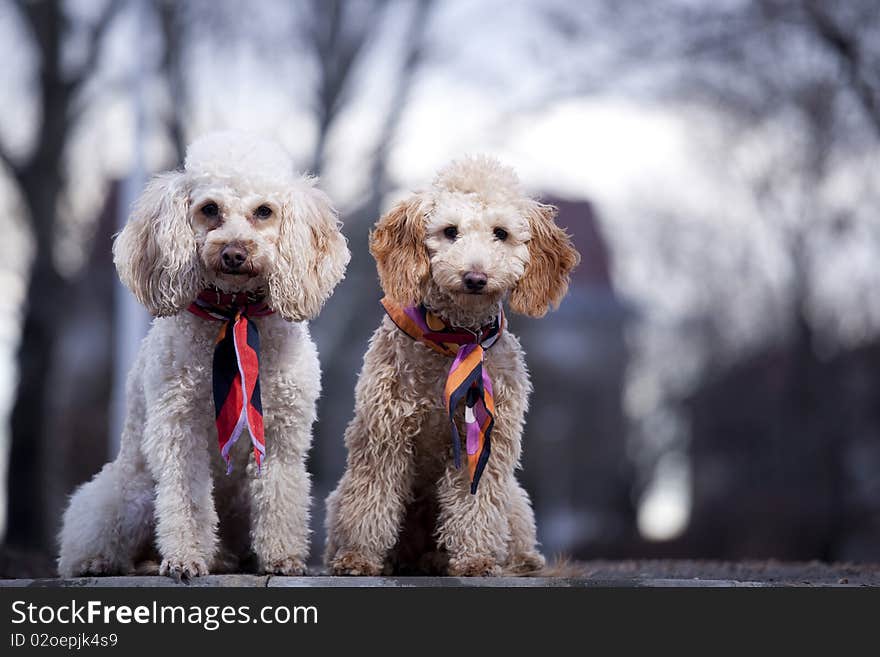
(176, 445)
(281, 494)
(475, 528)
(366, 510)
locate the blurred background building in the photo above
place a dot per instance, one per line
(711, 386)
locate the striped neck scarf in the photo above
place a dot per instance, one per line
(236, 367)
(467, 378)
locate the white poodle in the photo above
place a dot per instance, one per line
(231, 255)
(445, 383)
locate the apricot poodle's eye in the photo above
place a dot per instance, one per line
(500, 234)
(210, 210)
(451, 232)
(263, 212)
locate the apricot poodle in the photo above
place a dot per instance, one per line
(441, 400)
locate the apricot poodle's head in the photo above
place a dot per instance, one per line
(238, 218)
(471, 240)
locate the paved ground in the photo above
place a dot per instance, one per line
(588, 574)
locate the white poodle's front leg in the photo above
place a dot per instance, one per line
(280, 496)
(177, 441)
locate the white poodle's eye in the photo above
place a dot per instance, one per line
(263, 212)
(451, 232)
(210, 210)
(500, 234)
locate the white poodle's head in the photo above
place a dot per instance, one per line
(473, 239)
(238, 218)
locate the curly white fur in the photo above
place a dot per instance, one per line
(168, 489)
(401, 502)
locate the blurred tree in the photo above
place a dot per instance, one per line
(785, 95)
(412, 56)
(40, 177)
(845, 31)
(783, 80)
(173, 25)
(336, 33)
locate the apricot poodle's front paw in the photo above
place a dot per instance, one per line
(183, 569)
(525, 562)
(290, 566)
(355, 564)
(474, 567)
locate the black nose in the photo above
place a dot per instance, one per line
(233, 256)
(475, 281)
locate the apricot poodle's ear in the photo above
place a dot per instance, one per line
(398, 245)
(155, 254)
(312, 253)
(551, 259)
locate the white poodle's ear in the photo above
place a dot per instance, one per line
(551, 259)
(312, 254)
(398, 245)
(155, 254)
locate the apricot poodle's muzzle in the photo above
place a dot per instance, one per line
(474, 282)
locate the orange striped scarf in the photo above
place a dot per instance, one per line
(467, 378)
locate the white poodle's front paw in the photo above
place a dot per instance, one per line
(290, 566)
(92, 567)
(97, 566)
(183, 569)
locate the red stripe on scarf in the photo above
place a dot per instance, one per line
(249, 366)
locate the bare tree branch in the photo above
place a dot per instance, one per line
(10, 164)
(170, 14)
(412, 58)
(74, 85)
(95, 41)
(847, 50)
(337, 41)
(45, 21)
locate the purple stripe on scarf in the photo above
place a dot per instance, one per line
(413, 313)
(463, 352)
(487, 383)
(473, 432)
(481, 414)
(236, 434)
